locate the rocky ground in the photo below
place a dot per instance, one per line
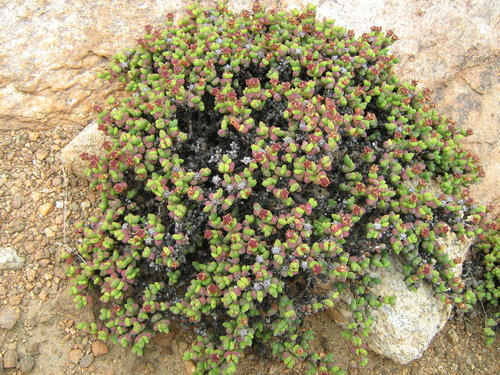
(39, 204)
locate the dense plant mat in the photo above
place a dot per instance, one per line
(255, 156)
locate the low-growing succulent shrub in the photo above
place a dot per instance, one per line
(254, 157)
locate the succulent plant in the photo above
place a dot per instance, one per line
(253, 157)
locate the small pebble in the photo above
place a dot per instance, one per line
(56, 181)
(190, 367)
(10, 359)
(49, 232)
(453, 336)
(27, 364)
(75, 355)
(44, 295)
(16, 300)
(30, 275)
(99, 348)
(36, 196)
(41, 154)
(8, 316)
(45, 209)
(17, 225)
(471, 328)
(17, 200)
(87, 360)
(34, 348)
(44, 262)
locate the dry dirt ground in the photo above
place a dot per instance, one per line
(35, 196)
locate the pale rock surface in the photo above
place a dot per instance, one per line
(9, 260)
(52, 49)
(89, 140)
(403, 331)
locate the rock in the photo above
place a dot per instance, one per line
(182, 346)
(16, 225)
(404, 331)
(89, 140)
(49, 63)
(16, 299)
(17, 200)
(34, 348)
(86, 360)
(9, 260)
(49, 232)
(75, 355)
(85, 204)
(99, 348)
(8, 316)
(472, 328)
(27, 364)
(45, 209)
(41, 154)
(453, 336)
(190, 367)
(10, 359)
(31, 275)
(36, 196)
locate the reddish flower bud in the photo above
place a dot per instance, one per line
(212, 289)
(252, 243)
(317, 268)
(284, 194)
(426, 269)
(263, 214)
(324, 181)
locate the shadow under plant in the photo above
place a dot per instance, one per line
(257, 157)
